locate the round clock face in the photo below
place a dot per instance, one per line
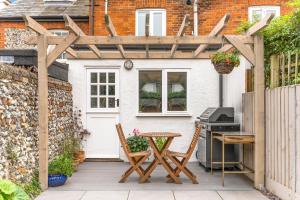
(128, 64)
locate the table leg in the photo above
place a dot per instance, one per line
(211, 152)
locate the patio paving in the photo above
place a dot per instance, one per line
(99, 180)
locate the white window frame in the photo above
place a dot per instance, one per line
(164, 94)
(63, 56)
(151, 12)
(264, 10)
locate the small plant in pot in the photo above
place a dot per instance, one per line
(137, 143)
(59, 169)
(224, 62)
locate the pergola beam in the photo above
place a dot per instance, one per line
(35, 26)
(71, 25)
(216, 30)
(184, 25)
(112, 31)
(260, 25)
(142, 40)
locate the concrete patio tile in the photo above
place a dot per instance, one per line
(107, 195)
(242, 195)
(194, 195)
(65, 195)
(151, 195)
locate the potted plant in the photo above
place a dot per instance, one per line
(81, 134)
(224, 62)
(177, 101)
(10, 191)
(137, 143)
(59, 169)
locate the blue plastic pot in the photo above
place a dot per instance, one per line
(56, 180)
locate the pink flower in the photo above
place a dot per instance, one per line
(136, 131)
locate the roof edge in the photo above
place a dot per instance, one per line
(44, 18)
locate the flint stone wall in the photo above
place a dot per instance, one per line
(16, 38)
(19, 121)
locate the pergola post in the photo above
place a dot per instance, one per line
(259, 112)
(43, 110)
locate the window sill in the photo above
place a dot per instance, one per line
(163, 115)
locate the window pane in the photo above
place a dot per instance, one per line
(102, 102)
(94, 103)
(141, 23)
(111, 90)
(111, 77)
(150, 91)
(93, 89)
(94, 78)
(111, 102)
(157, 24)
(256, 15)
(177, 91)
(102, 89)
(102, 77)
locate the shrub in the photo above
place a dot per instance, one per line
(137, 143)
(10, 191)
(62, 164)
(33, 188)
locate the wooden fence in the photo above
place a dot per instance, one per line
(285, 69)
(282, 139)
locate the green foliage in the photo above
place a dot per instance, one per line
(33, 188)
(71, 145)
(181, 94)
(10, 191)
(295, 3)
(243, 27)
(11, 154)
(149, 95)
(160, 142)
(62, 164)
(228, 57)
(137, 143)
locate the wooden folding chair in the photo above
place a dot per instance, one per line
(135, 159)
(181, 164)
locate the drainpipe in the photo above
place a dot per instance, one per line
(221, 90)
(92, 17)
(196, 18)
(106, 6)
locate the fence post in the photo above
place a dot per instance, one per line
(274, 71)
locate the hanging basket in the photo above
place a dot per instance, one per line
(224, 67)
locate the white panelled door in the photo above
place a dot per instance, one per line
(102, 113)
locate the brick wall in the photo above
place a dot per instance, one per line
(122, 13)
(21, 25)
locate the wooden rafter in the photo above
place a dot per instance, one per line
(112, 31)
(184, 25)
(225, 48)
(35, 26)
(142, 40)
(260, 25)
(71, 25)
(245, 50)
(216, 30)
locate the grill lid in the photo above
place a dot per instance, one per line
(218, 115)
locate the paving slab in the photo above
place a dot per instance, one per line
(65, 195)
(151, 195)
(242, 195)
(195, 195)
(107, 195)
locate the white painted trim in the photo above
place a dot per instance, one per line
(151, 11)
(264, 9)
(102, 67)
(183, 114)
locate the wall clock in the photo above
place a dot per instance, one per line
(128, 64)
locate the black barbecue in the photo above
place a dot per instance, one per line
(216, 119)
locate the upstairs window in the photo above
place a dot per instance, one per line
(157, 22)
(256, 13)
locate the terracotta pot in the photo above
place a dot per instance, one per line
(81, 156)
(224, 67)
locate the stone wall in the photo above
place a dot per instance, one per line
(16, 38)
(19, 121)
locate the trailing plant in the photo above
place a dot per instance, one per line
(33, 188)
(227, 57)
(11, 191)
(181, 94)
(81, 133)
(137, 143)
(149, 95)
(160, 142)
(62, 164)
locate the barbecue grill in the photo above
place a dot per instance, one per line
(216, 119)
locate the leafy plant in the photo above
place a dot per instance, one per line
(244, 26)
(80, 133)
(228, 57)
(137, 143)
(149, 95)
(160, 142)
(181, 94)
(10, 191)
(62, 164)
(33, 188)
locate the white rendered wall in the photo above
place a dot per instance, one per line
(204, 87)
(3, 4)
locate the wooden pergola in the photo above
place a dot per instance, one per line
(250, 45)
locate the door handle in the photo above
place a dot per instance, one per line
(118, 102)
